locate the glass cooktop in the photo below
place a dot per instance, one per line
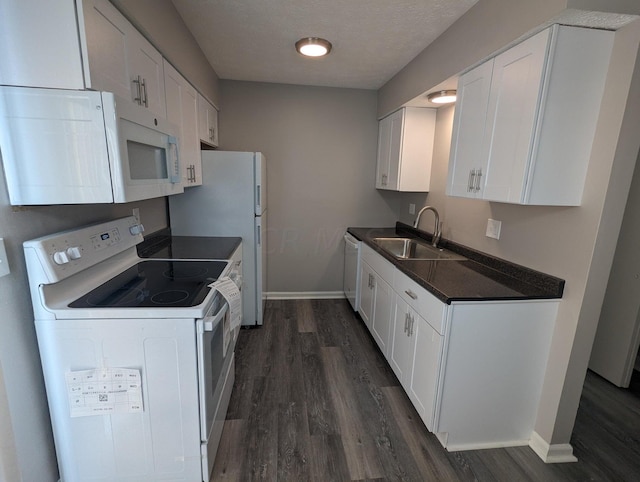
(155, 284)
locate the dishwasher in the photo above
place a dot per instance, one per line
(352, 270)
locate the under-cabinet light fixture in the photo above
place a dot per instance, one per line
(442, 97)
(313, 46)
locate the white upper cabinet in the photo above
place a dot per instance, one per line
(207, 122)
(525, 120)
(182, 110)
(120, 59)
(50, 44)
(106, 57)
(40, 44)
(405, 150)
(468, 132)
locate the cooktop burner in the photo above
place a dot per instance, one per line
(155, 283)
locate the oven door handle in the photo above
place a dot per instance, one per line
(209, 322)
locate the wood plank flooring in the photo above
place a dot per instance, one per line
(314, 400)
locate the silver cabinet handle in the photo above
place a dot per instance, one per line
(145, 100)
(383, 180)
(411, 294)
(138, 83)
(472, 176)
(406, 322)
(371, 281)
(412, 321)
(476, 186)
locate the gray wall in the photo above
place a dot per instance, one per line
(320, 145)
(576, 244)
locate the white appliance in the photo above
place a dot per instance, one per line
(232, 201)
(351, 280)
(77, 147)
(101, 311)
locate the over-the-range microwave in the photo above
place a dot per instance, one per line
(84, 147)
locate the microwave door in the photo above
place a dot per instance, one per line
(144, 154)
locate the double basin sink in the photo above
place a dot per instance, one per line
(411, 248)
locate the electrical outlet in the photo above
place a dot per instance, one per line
(493, 228)
(4, 262)
(412, 208)
(136, 213)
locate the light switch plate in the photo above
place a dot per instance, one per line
(493, 228)
(4, 262)
(412, 208)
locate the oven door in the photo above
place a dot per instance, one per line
(215, 359)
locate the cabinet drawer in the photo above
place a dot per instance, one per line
(423, 302)
(380, 265)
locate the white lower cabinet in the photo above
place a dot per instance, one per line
(417, 346)
(376, 305)
(473, 370)
(423, 383)
(367, 294)
(402, 346)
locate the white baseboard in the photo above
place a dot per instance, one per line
(304, 295)
(551, 454)
(485, 445)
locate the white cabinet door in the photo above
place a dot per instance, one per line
(367, 293)
(466, 164)
(207, 122)
(423, 382)
(389, 143)
(181, 101)
(516, 86)
(106, 32)
(382, 312)
(405, 150)
(40, 45)
(146, 74)
(120, 59)
(402, 344)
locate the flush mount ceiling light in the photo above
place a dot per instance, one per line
(313, 46)
(442, 97)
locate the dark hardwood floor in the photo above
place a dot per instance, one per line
(314, 400)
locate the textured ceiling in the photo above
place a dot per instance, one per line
(372, 39)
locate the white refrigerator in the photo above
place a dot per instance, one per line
(232, 201)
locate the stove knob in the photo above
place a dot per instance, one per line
(74, 252)
(136, 229)
(60, 257)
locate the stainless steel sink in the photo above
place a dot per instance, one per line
(410, 248)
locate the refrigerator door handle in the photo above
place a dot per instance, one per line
(258, 236)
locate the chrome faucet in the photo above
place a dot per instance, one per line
(437, 230)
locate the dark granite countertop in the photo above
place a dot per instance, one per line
(479, 278)
(163, 245)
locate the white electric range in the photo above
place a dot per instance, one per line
(137, 355)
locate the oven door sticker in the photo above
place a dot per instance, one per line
(104, 391)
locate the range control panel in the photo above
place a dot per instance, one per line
(66, 253)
